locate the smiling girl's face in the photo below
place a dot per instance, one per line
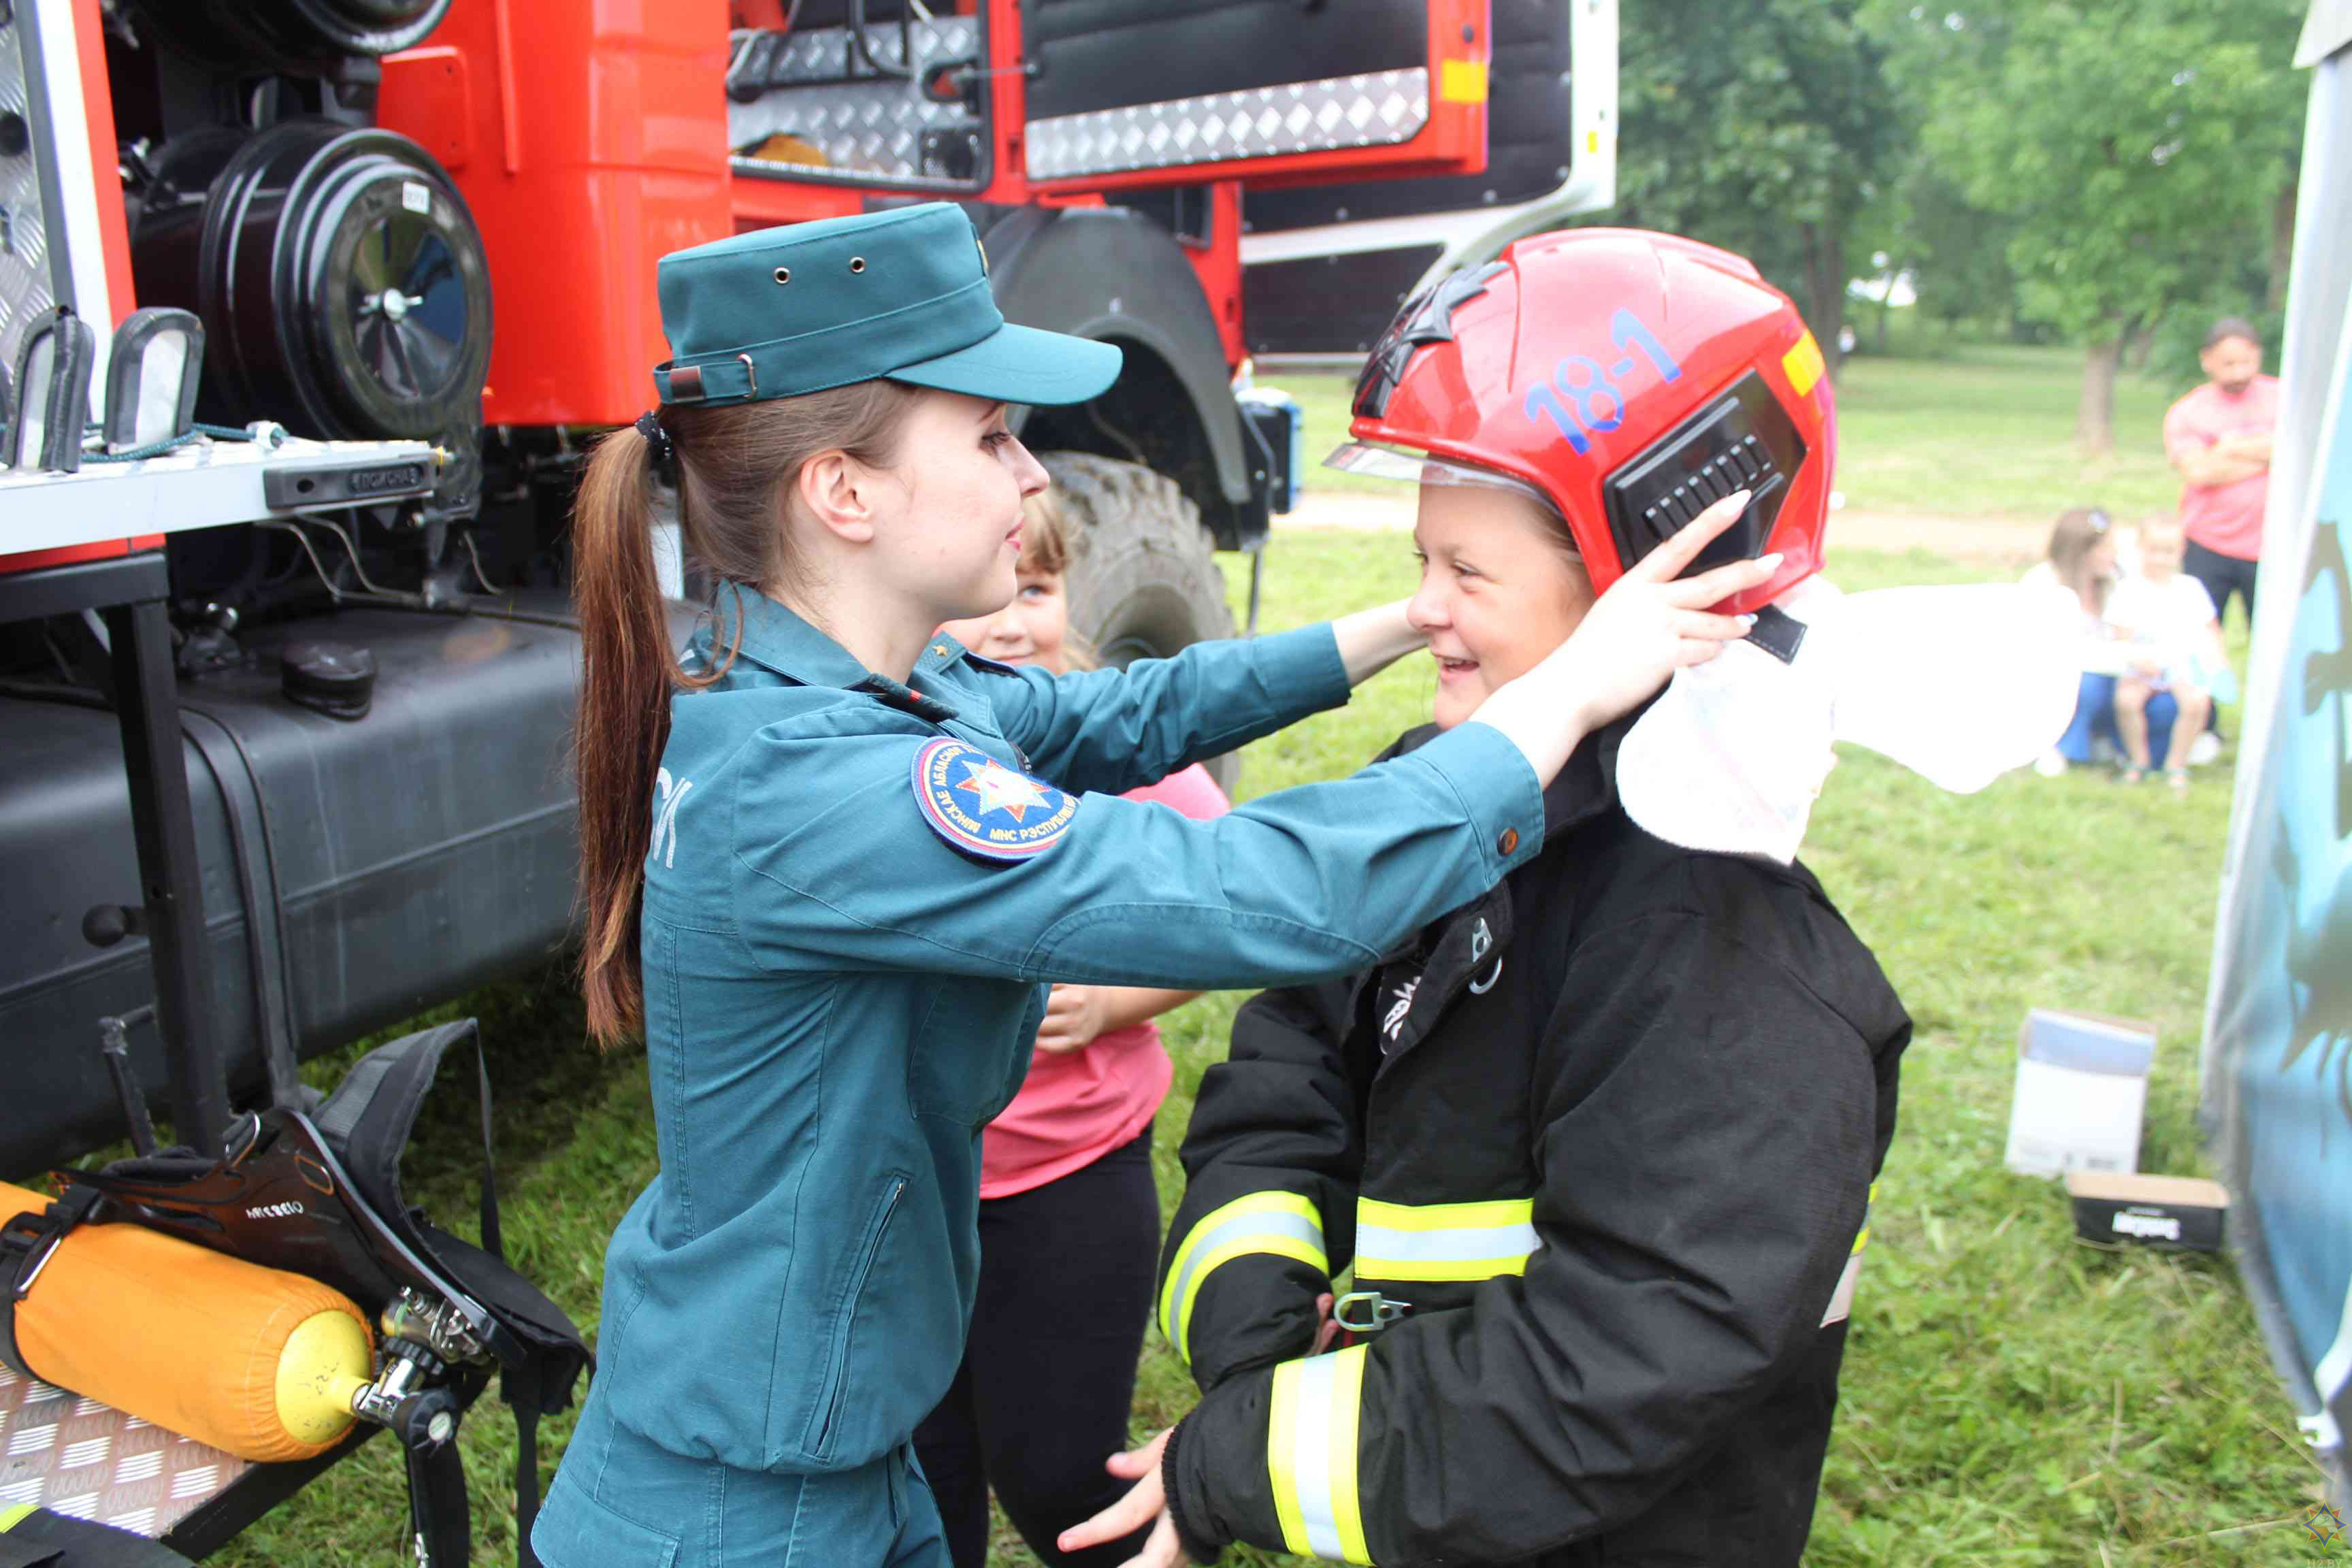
(1498, 591)
(1035, 628)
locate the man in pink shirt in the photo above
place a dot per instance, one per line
(2219, 437)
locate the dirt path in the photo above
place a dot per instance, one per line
(2007, 540)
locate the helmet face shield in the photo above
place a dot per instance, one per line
(1381, 462)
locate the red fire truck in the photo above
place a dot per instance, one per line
(282, 716)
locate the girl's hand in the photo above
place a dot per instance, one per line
(1145, 1503)
(1074, 1016)
(1652, 621)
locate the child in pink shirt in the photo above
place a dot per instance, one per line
(1069, 1213)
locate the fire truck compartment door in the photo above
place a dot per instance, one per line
(1142, 92)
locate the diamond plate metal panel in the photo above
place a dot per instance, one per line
(869, 128)
(26, 290)
(75, 1455)
(1378, 108)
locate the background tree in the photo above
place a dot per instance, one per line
(2137, 148)
(1763, 126)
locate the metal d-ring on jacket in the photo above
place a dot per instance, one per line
(838, 998)
(1598, 1146)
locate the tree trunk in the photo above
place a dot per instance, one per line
(1825, 290)
(2282, 246)
(2136, 347)
(2095, 418)
(1887, 304)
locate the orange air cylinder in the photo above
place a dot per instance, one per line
(255, 1361)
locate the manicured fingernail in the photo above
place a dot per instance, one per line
(1770, 562)
(1739, 496)
(1748, 620)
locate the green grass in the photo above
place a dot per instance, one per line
(1974, 430)
(2011, 1395)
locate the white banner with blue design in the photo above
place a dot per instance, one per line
(2278, 1050)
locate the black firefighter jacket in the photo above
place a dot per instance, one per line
(1600, 1147)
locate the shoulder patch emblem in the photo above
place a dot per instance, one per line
(982, 807)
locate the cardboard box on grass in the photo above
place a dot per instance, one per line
(2155, 1211)
(2081, 1091)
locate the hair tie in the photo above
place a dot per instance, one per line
(657, 439)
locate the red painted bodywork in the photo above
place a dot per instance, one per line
(600, 144)
(589, 137)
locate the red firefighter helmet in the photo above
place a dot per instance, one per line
(1631, 379)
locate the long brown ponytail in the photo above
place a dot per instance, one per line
(734, 464)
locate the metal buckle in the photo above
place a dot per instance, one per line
(1383, 1312)
(37, 1236)
(753, 370)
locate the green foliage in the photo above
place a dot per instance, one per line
(1762, 127)
(2134, 145)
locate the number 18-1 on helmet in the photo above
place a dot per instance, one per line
(1631, 379)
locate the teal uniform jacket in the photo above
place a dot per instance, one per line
(838, 996)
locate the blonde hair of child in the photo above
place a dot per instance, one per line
(1045, 553)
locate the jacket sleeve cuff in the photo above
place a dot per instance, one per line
(1499, 792)
(1302, 669)
(1190, 1534)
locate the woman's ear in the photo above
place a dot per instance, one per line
(836, 490)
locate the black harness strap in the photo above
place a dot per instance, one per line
(27, 1242)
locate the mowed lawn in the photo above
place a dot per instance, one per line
(2011, 1395)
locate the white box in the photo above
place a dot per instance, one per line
(2081, 1089)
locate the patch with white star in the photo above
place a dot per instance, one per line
(982, 807)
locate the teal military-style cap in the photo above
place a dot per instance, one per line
(901, 294)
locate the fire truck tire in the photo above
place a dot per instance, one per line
(1144, 578)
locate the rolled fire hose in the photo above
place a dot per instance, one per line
(255, 1361)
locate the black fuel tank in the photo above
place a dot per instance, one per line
(399, 859)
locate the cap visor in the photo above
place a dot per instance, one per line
(1022, 365)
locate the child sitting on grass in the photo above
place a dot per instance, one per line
(2167, 617)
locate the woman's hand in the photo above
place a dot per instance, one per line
(1648, 625)
(1074, 1016)
(1145, 1503)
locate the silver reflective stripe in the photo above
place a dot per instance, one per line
(1463, 1245)
(1310, 1455)
(1203, 1247)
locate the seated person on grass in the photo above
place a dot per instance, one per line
(2172, 656)
(1598, 1146)
(2072, 585)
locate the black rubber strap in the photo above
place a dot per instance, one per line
(1778, 632)
(526, 1414)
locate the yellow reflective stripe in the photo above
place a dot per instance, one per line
(1273, 1223)
(1862, 1237)
(1470, 1241)
(1444, 1216)
(1312, 1428)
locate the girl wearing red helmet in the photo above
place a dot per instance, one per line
(1596, 1148)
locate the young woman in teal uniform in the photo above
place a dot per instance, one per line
(831, 863)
